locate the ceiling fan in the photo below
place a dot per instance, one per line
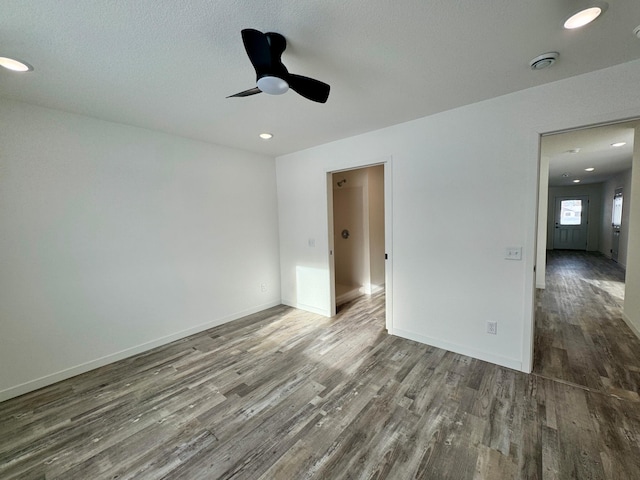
(264, 51)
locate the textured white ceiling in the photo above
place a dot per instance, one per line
(168, 65)
(595, 151)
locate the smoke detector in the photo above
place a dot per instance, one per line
(543, 61)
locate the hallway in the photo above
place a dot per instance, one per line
(581, 338)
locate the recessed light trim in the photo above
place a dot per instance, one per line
(565, 175)
(590, 169)
(618, 144)
(576, 181)
(574, 150)
(266, 136)
(15, 65)
(585, 13)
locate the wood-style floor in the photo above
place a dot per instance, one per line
(290, 395)
(580, 335)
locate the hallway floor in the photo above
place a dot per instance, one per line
(581, 338)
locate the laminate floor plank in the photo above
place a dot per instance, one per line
(580, 335)
(285, 394)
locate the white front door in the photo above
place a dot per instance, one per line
(571, 223)
(616, 223)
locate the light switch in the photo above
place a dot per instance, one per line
(513, 253)
(312, 242)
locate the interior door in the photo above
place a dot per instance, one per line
(571, 217)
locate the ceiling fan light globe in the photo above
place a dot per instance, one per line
(272, 85)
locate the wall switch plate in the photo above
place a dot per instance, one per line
(312, 242)
(513, 253)
(492, 328)
(263, 287)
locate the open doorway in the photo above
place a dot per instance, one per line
(580, 335)
(357, 223)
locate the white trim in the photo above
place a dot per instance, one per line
(452, 347)
(333, 301)
(388, 242)
(41, 382)
(350, 295)
(630, 324)
(307, 308)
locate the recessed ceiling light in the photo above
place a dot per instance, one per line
(590, 169)
(574, 150)
(15, 65)
(576, 181)
(266, 136)
(618, 144)
(584, 12)
(565, 175)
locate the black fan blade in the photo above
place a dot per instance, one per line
(257, 46)
(309, 88)
(246, 93)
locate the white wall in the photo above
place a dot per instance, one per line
(376, 225)
(464, 188)
(594, 192)
(349, 205)
(543, 210)
(115, 239)
(632, 279)
(608, 191)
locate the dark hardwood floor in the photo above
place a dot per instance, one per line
(285, 394)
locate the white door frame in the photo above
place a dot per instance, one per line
(388, 235)
(553, 127)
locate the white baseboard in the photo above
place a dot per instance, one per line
(50, 379)
(306, 308)
(350, 295)
(470, 352)
(631, 325)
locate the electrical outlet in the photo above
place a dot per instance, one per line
(492, 328)
(263, 287)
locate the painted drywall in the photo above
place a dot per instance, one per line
(115, 239)
(608, 191)
(375, 202)
(594, 192)
(543, 210)
(632, 279)
(351, 253)
(464, 188)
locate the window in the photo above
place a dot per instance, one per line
(571, 212)
(616, 215)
